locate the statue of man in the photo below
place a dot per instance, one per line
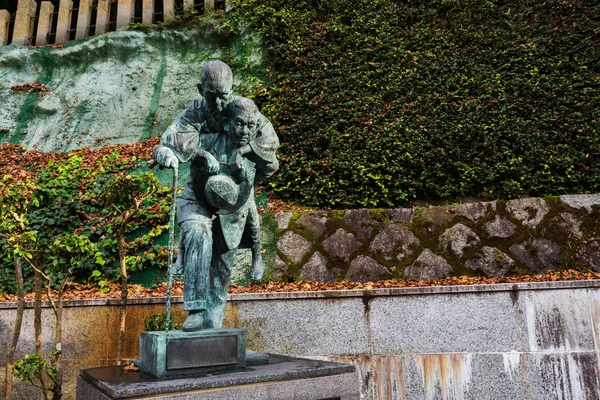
(230, 145)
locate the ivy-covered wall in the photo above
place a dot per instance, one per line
(490, 239)
(381, 102)
(377, 103)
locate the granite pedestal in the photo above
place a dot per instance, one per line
(281, 379)
(176, 353)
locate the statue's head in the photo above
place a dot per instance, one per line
(216, 85)
(242, 120)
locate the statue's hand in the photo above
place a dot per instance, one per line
(211, 164)
(165, 157)
(245, 150)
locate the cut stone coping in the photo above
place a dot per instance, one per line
(119, 384)
(328, 294)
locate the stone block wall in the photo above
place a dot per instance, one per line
(492, 239)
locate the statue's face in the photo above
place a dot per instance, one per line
(243, 126)
(218, 95)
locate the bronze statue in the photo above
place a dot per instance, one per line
(230, 145)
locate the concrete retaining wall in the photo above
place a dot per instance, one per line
(522, 341)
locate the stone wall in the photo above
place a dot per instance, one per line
(493, 239)
(533, 341)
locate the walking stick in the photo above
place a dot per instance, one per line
(152, 164)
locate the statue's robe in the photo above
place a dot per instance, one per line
(197, 129)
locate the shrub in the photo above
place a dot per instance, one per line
(381, 102)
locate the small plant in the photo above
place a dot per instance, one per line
(35, 370)
(157, 322)
(140, 26)
(102, 281)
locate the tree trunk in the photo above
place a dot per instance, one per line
(59, 370)
(10, 357)
(37, 327)
(37, 315)
(123, 312)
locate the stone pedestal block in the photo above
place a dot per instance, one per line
(124, 14)
(176, 353)
(4, 18)
(283, 378)
(102, 16)
(24, 21)
(44, 23)
(64, 21)
(83, 19)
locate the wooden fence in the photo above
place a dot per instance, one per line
(38, 23)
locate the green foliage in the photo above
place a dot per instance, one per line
(380, 102)
(181, 19)
(157, 322)
(32, 369)
(102, 282)
(67, 221)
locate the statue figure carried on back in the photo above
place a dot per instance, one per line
(230, 146)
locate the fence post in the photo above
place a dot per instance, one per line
(102, 16)
(44, 23)
(148, 12)
(23, 21)
(4, 18)
(124, 14)
(209, 6)
(83, 19)
(168, 9)
(188, 4)
(64, 21)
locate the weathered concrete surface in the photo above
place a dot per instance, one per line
(24, 22)
(505, 341)
(4, 18)
(64, 20)
(120, 87)
(45, 23)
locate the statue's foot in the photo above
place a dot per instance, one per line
(196, 321)
(258, 267)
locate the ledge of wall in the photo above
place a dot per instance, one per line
(523, 341)
(332, 294)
